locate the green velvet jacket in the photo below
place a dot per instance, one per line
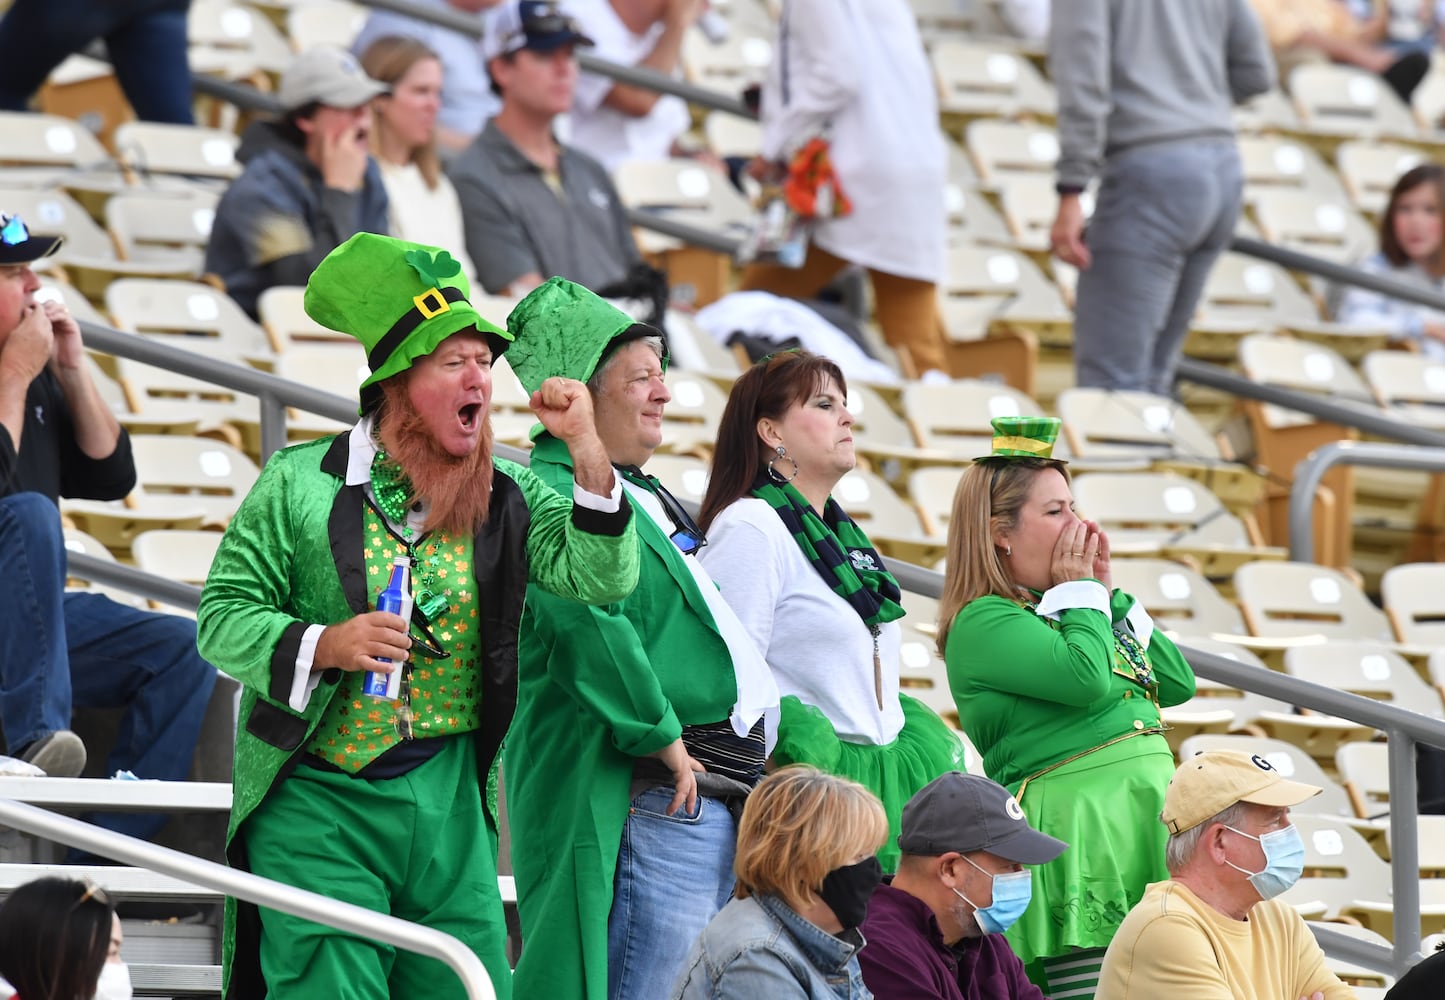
(1030, 694)
(292, 557)
(600, 687)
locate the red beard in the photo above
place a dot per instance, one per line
(458, 489)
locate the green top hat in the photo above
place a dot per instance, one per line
(1024, 437)
(399, 299)
(564, 329)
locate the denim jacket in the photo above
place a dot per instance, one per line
(759, 947)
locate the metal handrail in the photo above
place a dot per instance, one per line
(251, 888)
(1313, 467)
(1341, 273)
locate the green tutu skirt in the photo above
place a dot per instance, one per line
(1106, 807)
(924, 749)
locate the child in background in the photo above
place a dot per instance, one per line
(1411, 252)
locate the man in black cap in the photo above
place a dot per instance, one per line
(937, 929)
(532, 206)
(58, 438)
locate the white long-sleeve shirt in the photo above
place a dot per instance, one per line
(857, 67)
(815, 643)
(1402, 320)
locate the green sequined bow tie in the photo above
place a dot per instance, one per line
(393, 496)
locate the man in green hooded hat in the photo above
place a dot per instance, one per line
(391, 803)
(641, 724)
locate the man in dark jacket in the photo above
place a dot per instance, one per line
(937, 929)
(58, 649)
(309, 185)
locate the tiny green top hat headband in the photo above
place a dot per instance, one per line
(1024, 437)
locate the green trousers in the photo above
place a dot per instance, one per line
(421, 847)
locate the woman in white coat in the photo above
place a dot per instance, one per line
(855, 72)
(423, 205)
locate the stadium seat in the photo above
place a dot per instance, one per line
(88, 545)
(1369, 170)
(184, 556)
(1367, 669)
(169, 229)
(686, 476)
(977, 81)
(189, 315)
(1178, 597)
(1414, 598)
(955, 418)
(892, 525)
(1365, 771)
(235, 39)
(324, 22)
(932, 488)
(88, 255)
(690, 421)
(1411, 386)
(1341, 101)
(1160, 513)
(731, 66)
(1272, 164)
(205, 157)
(1285, 599)
(1004, 150)
(283, 317)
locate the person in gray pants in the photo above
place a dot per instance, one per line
(1146, 94)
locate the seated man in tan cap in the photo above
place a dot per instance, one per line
(1214, 930)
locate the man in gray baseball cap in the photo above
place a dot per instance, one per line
(937, 929)
(309, 185)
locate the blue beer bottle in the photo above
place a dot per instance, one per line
(396, 598)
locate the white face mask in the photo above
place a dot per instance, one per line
(114, 983)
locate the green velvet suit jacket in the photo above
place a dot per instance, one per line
(292, 557)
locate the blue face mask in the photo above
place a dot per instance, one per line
(1284, 861)
(1011, 894)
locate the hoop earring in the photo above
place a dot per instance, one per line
(773, 473)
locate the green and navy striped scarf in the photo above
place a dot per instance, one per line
(838, 550)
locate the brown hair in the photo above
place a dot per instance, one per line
(989, 497)
(797, 826)
(767, 389)
(1425, 173)
(54, 938)
(389, 59)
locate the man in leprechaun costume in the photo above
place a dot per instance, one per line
(391, 804)
(641, 724)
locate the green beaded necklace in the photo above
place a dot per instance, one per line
(393, 498)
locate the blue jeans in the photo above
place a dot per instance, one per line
(146, 40)
(59, 650)
(1165, 213)
(674, 873)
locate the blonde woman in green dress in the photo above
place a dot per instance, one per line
(1059, 680)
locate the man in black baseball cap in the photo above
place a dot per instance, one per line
(59, 650)
(937, 929)
(533, 206)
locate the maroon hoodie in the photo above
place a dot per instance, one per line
(905, 957)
